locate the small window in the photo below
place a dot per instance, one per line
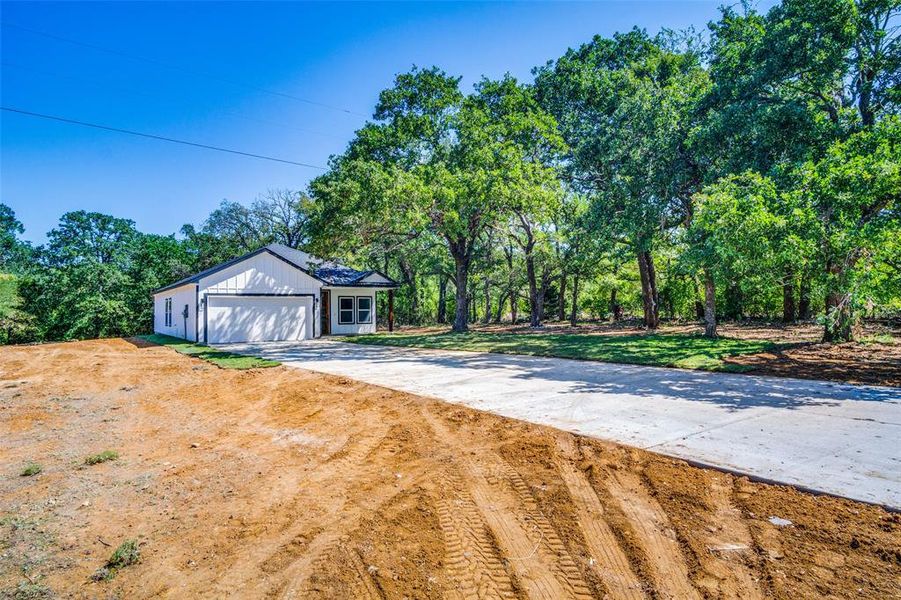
(364, 309)
(345, 310)
(168, 313)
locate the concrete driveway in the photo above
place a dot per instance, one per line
(835, 438)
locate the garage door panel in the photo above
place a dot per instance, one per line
(258, 319)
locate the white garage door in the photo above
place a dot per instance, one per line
(259, 318)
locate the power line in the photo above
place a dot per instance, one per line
(182, 69)
(158, 137)
(157, 97)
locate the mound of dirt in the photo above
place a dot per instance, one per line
(288, 484)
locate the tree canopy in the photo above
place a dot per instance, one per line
(751, 170)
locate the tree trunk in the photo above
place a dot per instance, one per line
(442, 299)
(461, 280)
(561, 303)
(648, 289)
(536, 295)
(514, 304)
(788, 296)
(409, 278)
(500, 307)
(839, 320)
(709, 306)
(487, 316)
(839, 325)
(616, 309)
(804, 297)
(574, 310)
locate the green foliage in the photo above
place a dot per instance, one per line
(16, 325)
(127, 554)
(684, 351)
(642, 171)
(31, 469)
(11, 248)
(220, 358)
(105, 456)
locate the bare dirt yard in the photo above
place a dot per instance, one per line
(288, 484)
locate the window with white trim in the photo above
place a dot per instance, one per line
(345, 310)
(364, 309)
(168, 313)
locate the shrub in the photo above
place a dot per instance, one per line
(105, 456)
(125, 555)
(30, 469)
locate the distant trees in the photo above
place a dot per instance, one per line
(754, 173)
(625, 107)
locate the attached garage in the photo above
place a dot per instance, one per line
(272, 294)
(249, 318)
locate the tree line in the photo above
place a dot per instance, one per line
(751, 170)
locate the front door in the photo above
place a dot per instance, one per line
(325, 312)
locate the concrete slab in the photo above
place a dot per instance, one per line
(840, 439)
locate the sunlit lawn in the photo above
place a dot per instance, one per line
(220, 358)
(664, 350)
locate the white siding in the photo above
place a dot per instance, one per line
(181, 296)
(260, 274)
(355, 328)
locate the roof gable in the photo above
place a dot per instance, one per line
(329, 273)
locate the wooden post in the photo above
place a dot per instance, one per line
(391, 310)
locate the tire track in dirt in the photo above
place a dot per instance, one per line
(291, 550)
(341, 517)
(612, 564)
(530, 544)
(362, 585)
(731, 545)
(655, 535)
(472, 558)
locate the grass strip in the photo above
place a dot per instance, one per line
(220, 358)
(662, 350)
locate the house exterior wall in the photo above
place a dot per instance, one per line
(186, 294)
(260, 274)
(353, 328)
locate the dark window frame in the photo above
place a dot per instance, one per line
(352, 309)
(357, 310)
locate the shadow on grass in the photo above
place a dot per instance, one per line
(662, 350)
(220, 358)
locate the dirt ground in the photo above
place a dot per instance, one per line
(872, 362)
(280, 483)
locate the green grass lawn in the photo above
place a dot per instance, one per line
(663, 350)
(220, 358)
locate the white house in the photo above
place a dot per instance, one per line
(275, 293)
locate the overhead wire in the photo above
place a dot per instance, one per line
(143, 94)
(157, 137)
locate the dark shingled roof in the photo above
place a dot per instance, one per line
(329, 273)
(336, 274)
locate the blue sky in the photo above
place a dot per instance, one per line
(340, 54)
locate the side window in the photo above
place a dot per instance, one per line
(168, 313)
(345, 310)
(364, 309)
